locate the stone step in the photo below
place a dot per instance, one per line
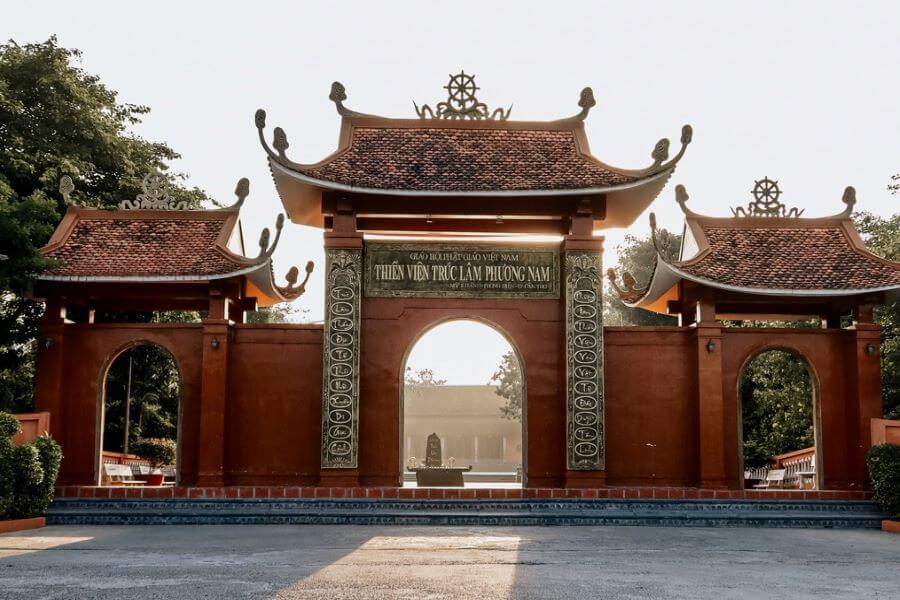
(816, 514)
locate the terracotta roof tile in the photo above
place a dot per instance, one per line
(465, 160)
(789, 258)
(163, 247)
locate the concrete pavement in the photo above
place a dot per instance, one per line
(271, 561)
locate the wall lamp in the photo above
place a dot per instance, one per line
(214, 343)
(870, 349)
(710, 346)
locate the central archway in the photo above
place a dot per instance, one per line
(779, 421)
(464, 380)
(139, 403)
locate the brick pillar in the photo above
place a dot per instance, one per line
(213, 394)
(50, 377)
(710, 399)
(585, 401)
(866, 400)
(49, 385)
(340, 361)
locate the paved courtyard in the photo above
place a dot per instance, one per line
(224, 562)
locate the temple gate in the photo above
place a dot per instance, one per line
(423, 222)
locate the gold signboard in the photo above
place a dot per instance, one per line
(461, 271)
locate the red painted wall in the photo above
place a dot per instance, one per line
(274, 374)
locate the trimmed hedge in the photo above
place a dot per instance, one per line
(884, 468)
(157, 451)
(27, 473)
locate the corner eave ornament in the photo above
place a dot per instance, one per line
(462, 103)
(765, 204)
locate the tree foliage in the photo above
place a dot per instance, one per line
(776, 407)
(637, 255)
(155, 394)
(882, 236)
(510, 386)
(279, 313)
(56, 119)
(422, 377)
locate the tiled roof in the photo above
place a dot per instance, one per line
(817, 256)
(465, 160)
(100, 245)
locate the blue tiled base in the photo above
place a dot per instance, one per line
(675, 513)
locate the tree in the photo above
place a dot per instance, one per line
(508, 377)
(279, 313)
(422, 378)
(776, 407)
(882, 236)
(56, 119)
(637, 255)
(150, 375)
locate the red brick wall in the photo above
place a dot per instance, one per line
(274, 374)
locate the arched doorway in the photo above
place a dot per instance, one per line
(779, 422)
(140, 400)
(464, 382)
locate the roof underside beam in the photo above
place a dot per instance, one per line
(483, 226)
(372, 205)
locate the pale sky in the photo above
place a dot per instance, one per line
(439, 350)
(802, 92)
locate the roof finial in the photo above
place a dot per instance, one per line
(586, 102)
(279, 141)
(338, 95)
(766, 204)
(265, 250)
(66, 187)
(660, 152)
(630, 293)
(461, 102)
(293, 291)
(241, 190)
(849, 199)
(155, 195)
(681, 197)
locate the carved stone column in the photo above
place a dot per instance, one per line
(585, 407)
(340, 381)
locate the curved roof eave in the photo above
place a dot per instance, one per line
(666, 275)
(297, 189)
(151, 278)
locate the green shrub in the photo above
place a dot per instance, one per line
(884, 468)
(27, 473)
(9, 426)
(157, 451)
(7, 477)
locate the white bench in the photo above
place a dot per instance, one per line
(120, 475)
(775, 478)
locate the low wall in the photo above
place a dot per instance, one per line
(885, 431)
(33, 425)
(657, 432)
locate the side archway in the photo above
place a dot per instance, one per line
(779, 420)
(141, 388)
(464, 380)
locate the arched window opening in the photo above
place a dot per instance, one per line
(140, 418)
(463, 386)
(778, 420)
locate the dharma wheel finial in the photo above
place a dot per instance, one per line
(461, 102)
